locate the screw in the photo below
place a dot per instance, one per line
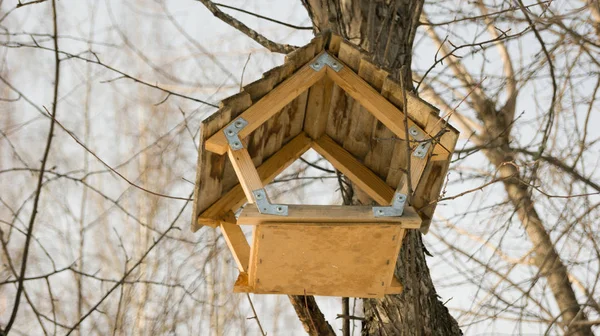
(401, 197)
(334, 64)
(230, 132)
(238, 124)
(413, 131)
(317, 64)
(237, 144)
(380, 212)
(279, 209)
(259, 196)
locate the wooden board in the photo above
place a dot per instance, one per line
(340, 214)
(362, 176)
(235, 197)
(236, 241)
(329, 260)
(268, 105)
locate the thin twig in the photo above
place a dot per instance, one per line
(251, 33)
(38, 192)
(264, 17)
(255, 317)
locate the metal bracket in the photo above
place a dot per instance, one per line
(423, 146)
(395, 210)
(264, 205)
(326, 59)
(231, 133)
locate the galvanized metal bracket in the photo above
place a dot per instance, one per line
(423, 145)
(395, 210)
(264, 205)
(326, 59)
(231, 133)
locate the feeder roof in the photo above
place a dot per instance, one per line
(352, 114)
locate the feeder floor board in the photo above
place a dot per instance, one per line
(328, 259)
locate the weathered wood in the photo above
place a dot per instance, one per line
(270, 104)
(277, 163)
(360, 133)
(210, 169)
(236, 241)
(324, 259)
(362, 176)
(317, 109)
(381, 108)
(340, 214)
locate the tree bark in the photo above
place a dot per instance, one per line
(386, 30)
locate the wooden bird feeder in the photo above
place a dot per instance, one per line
(327, 96)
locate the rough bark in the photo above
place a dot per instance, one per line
(310, 315)
(386, 31)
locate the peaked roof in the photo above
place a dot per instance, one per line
(357, 112)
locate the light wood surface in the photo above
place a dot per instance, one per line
(236, 241)
(267, 106)
(330, 260)
(277, 163)
(362, 176)
(245, 171)
(319, 214)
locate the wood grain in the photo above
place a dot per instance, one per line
(318, 214)
(268, 105)
(329, 260)
(362, 176)
(272, 167)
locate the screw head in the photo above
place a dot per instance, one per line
(230, 132)
(238, 124)
(259, 196)
(279, 209)
(237, 144)
(401, 197)
(380, 212)
(413, 131)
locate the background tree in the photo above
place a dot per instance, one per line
(99, 110)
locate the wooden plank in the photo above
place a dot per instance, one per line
(241, 284)
(395, 287)
(270, 104)
(360, 133)
(429, 188)
(418, 110)
(368, 97)
(330, 260)
(210, 166)
(334, 44)
(277, 163)
(245, 171)
(362, 176)
(319, 214)
(236, 241)
(317, 109)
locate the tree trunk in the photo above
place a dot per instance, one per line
(386, 31)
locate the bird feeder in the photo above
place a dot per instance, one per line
(329, 97)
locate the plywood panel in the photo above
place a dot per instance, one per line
(351, 261)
